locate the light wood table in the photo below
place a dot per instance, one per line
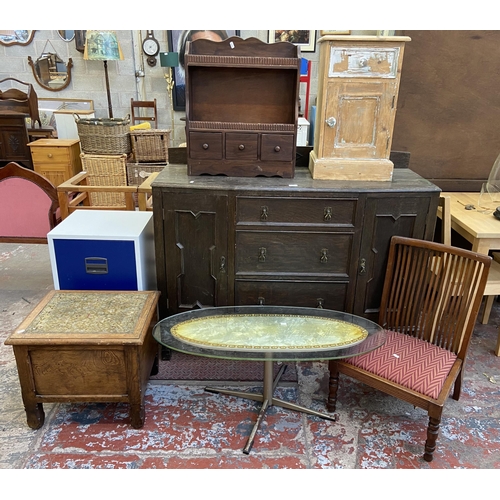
(93, 346)
(478, 226)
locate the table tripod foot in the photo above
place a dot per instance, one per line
(302, 409)
(239, 394)
(260, 417)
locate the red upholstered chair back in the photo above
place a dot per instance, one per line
(28, 205)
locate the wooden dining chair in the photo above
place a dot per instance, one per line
(144, 111)
(429, 318)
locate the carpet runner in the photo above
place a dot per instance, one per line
(187, 367)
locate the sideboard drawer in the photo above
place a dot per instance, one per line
(326, 294)
(293, 253)
(277, 147)
(205, 145)
(310, 211)
(241, 146)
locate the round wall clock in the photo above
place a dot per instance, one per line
(150, 47)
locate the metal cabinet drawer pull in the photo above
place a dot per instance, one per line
(263, 213)
(261, 301)
(241, 147)
(223, 264)
(324, 256)
(327, 214)
(362, 266)
(205, 146)
(277, 149)
(320, 303)
(262, 254)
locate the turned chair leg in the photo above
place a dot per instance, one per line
(332, 387)
(432, 435)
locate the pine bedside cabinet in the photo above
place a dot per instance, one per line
(86, 346)
(56, 159)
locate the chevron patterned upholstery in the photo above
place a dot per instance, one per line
(413, 363)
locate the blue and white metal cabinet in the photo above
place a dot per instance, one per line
(103, 250)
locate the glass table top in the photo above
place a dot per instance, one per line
(259, 333)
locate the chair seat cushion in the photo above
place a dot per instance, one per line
(410, 362)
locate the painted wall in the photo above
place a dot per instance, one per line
(88, 82)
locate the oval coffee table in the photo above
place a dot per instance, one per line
(268, 334)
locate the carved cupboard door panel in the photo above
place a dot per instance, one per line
(195, 228)
(386, 217)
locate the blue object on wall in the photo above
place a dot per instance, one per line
(303, 66)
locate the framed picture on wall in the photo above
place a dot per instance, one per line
(334, 32)
(305, 39)
(177, 43)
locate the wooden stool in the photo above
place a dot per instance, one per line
(86, 346)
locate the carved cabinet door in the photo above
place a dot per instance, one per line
(196, 234)
(384, 217)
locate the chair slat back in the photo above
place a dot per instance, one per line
(144, 111)
(433, 291)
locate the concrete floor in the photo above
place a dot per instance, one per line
(188, 428)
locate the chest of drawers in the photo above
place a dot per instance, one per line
(301, 242)
(56, 159)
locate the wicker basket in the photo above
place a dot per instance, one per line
(137, 173)
(104, 136)
(106, 170)
(150, 145)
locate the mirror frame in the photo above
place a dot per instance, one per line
(69, 64)
(66, 39)
(31, 34)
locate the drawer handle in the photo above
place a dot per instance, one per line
(205, 146)
(263, 213)
(362, 266)
(277, 149)
(241, 147)
(331, 122)
(96, 265)
(324, 256)
(320, 303)
(261, 301)
(327, 213)
(262, 254)
(49, 155)
(223, 264)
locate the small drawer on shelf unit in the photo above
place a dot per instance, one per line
(294, 253)
(205, 145)
(241, 146)
(277, 147)
(324, 294)
(318, 211)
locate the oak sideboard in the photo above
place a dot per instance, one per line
(301, 242)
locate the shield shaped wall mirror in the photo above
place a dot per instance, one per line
(50, 71)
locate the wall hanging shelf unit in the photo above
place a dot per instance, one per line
(242, 107)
